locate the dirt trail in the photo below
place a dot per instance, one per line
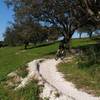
(53, 81)
(49, 72)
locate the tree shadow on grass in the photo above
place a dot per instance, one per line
(40, 45)
(97, 46)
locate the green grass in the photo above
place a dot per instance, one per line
(82, 42)
(30, 92)
(22, 71)
(84, 69)
(12, 58)
(81, 78)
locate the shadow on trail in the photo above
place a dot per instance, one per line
(45, 81)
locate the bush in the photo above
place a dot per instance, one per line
(89, 56)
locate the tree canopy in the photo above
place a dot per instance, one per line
(65, 15)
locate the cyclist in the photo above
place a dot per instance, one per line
(61, 51)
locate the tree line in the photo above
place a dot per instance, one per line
(58, 16)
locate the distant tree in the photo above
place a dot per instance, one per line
(80, 35)
(53, 33)
(90, 34)
(10, 38)
(1, 44)
(89, 29)
(25, 33)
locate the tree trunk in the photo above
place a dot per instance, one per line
(90, 35)
(80, 34)
(68, 40)
(25, 47)
(26, 44)
(69, 45)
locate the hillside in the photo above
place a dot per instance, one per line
(13, 58)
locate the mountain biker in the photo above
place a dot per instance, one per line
(61, 50)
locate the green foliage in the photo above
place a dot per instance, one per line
(89, 56)
(65, 15)
(25, 33)
(30, 92)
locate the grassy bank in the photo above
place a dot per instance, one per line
(83, 70)
(30, 92)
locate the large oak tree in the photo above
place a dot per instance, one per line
(66, 15)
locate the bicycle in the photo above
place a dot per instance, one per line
(60, 54)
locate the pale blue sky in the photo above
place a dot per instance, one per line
(5, 17)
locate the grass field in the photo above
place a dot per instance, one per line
(15, 57)
(11, 58)
(82, 42)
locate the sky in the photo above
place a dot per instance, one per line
(5, 17)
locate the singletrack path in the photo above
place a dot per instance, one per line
(48, 71)
(55, 87)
